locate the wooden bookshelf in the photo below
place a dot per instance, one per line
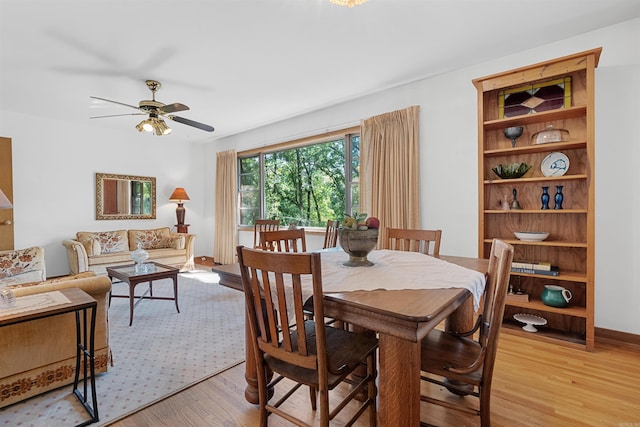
(571, 243)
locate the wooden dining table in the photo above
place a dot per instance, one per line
(401, 317)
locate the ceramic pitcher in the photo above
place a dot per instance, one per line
(556, 296)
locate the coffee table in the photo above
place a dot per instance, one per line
(134, 276)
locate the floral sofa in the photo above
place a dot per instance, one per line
(95, 251)
(40, 355)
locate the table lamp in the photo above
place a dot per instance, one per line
(179, 196)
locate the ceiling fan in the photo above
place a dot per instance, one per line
(156, 110)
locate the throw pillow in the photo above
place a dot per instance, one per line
(15, 262)
(110, 241)
(173, 242)
(150, 239)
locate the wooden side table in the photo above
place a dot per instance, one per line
(84, 307)
(182, 228)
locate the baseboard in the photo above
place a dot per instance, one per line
(622, 337)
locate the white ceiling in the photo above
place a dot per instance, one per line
(241, 64)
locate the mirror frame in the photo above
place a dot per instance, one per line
(100, 215)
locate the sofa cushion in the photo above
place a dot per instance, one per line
(156, 238)
(111, 258)
(110, 241)
(23, 265)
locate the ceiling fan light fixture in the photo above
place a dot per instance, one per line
(161, 127)
(155, 125)
(145, 126)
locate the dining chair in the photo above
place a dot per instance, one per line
(284, 240)
(307, 352)
(260, 225)
(331, 234)
(424, 241)
(466, 363)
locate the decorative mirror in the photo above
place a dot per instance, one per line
(125, 197)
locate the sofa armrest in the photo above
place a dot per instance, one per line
(94, 286)
(77, 255)
(189, 246)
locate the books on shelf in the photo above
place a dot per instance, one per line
(517, 297)
(553, 272)
(532, 265)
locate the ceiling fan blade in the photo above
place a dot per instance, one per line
(119, 115)
(191, 123)
(114, 102)
(172, 108)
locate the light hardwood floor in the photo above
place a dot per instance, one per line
(535, 384)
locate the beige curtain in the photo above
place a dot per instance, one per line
(226, 236)
(389, 169)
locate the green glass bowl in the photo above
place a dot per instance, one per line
(511, 171)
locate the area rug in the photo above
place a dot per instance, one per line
(162, 353)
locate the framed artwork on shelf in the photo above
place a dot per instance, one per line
(535, 97)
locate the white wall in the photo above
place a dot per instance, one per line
(448, 156)
(54, 166)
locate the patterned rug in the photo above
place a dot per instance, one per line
(162, 353)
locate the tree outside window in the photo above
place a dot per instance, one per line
(306, 185)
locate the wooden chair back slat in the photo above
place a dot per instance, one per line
(331, 234)
(284, 240)
(263, 225)
(423, 241)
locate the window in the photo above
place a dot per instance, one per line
(306, 183)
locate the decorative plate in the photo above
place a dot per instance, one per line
(530, 321)
(555, 164)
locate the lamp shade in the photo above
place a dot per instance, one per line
(6, 204)
(179, 195)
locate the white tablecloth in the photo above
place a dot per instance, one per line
(393, 270)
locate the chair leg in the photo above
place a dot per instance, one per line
(485, 407)
(372, 391)
(312, 396)
(324, 407)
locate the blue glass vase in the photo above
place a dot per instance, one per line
(545, 198)
(559, 197)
